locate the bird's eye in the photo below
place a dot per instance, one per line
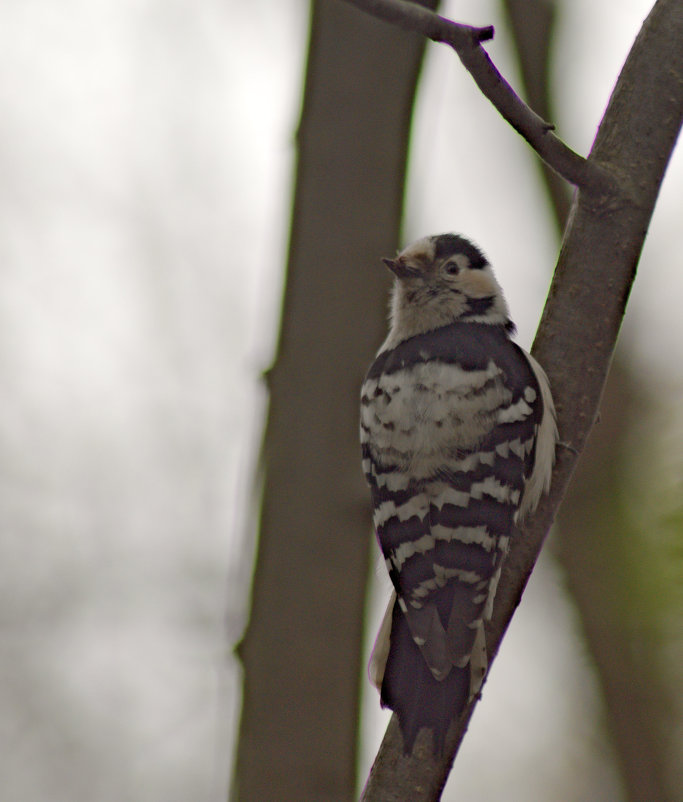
(452, 268)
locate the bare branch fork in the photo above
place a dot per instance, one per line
(618, 186)
(466, 41)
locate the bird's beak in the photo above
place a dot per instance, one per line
(399, 268)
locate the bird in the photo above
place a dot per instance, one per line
(458, 436)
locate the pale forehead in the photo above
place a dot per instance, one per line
(421, 251)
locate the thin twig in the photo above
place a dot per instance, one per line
(414, 17)
(466, 41)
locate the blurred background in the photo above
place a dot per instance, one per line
(147, 153)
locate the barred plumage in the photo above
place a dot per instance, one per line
(458, 437)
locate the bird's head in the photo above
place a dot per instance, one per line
(441, 280)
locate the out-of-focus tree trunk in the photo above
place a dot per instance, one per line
(532, 26)
(302, 648)
(596, 544)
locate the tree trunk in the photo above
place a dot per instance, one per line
(302, 648)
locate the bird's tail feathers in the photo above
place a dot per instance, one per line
(411, 691)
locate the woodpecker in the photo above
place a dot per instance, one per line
(458, 441)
